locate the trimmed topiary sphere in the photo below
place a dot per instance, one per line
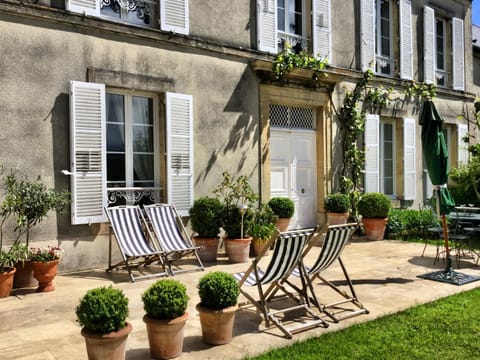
(374, 205)
(283, 207)
(337, 203)
(205, 216)
(165, 300)
(218, 290)
(103, 310)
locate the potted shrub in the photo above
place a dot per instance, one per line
(262, 228)
(205, 222)
(165, 305)
(337, 207)
(218, 293)
(284, 208)
(238, 199)
(45, 266)
(374, 208)
(102, 313)
(7, 273)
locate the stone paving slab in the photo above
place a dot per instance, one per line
(43, 325)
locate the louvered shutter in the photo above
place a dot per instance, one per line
(428, 45)
(458, 54)
(174, 16)
(462, 130)
(267, 26)
(87, 152)
(367, 34)
(372, 153)
(180, 151)
(322, 29)
(406, 46)
(409, 163)
(88, 7)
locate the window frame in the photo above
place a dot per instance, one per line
(283, 36)
(439, 71)
(382, 124)
(379, 36)
(124, 12)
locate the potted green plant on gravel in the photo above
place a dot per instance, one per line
(103, 312)
(374, 208)
(165, 304)
(205, 221)
(337, 207)
(238, 199)
(218, 293)
(284, 208)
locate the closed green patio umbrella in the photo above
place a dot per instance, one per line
(435, 153)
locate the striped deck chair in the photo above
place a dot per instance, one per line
(127, 224)
(287, 253)
(172, 236)
(333, 245)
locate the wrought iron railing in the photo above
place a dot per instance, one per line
(134, 195)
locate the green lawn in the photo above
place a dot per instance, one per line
(445, 329)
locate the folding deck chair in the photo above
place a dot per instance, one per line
(287, 253)
(127, 224)
(172, 236)
(333, 245)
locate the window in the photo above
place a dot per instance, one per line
(440, 45)
(116, 141)
(384, 59)
(173, 15)
(285, 23)
(387, 162)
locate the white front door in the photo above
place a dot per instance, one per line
(293, 172)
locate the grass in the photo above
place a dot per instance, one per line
(448, 328)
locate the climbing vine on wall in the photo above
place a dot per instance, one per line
(288, 60)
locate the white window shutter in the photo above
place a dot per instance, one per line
(88, 152)
(406, 47)
(409, 163)
(174, 16)
(322, 29)
(180, 151)
(462, 130)
(458, 54)
(367, 34)
(267, 26)
(372, 153)
(428, 45)
(87, 7)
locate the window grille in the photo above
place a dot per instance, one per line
(292, 117)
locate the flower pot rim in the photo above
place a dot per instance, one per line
(12, 270)
(181, 318)
(110, 335)
(228, 309)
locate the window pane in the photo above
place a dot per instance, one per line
(142, 110)
(115, 138)
(143, 139)
(115, 108)
(142, 15)
(281, 18)
(387, 132)
(388, 186)
(112, 10)
(143, 167)
(116, 168)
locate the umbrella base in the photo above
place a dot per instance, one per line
(450, 276)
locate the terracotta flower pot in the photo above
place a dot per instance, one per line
(334, 218)
(45, 272)
(165, 337)
(282, 224)
(24, 276)
(109, 346)
(217, 325)
(6, 281)
(374, 228)
(208, 248)
(259, 245)
(238, 250)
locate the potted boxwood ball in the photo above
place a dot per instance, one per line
(165, 304)
(337, 207)
(218, 293)
(374, 208)
(284, 208)
(102, 313)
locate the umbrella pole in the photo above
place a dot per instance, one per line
(445, 230)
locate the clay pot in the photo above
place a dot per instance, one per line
(334, 218)
(109, 346)
(238, 250)
(282, 224)
(217, 325)
(374, 228)
(208, 249)
(259, 245)
(45, 272)
(165, 337)
(6, 281)
(24, 276)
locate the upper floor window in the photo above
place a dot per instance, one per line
(131, 11)
(384, 58)
(287, 23)
(440, 45)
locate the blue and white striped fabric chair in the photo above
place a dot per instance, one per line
(128, 225)
(287, 254)
(336, 237)
(172, 236)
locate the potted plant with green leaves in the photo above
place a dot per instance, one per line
(218, 293)
(238, 199)
(337, 206)
(374, 208)
(205, 221)
(102, 312)
(262, 228)
(45, 266)
(284, 208)
(165, 304)
(7, 273)
(29, 202)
